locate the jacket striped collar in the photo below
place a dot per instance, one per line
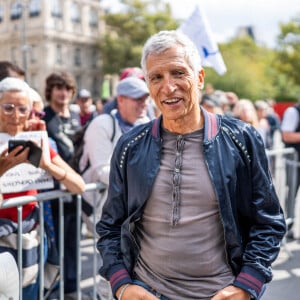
(211, 125)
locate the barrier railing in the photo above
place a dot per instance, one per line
(279, 159)
(45, 196)
(284, 167)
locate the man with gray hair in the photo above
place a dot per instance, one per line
(191, 211)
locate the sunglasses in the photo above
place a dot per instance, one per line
(38, 114)
(9, 108)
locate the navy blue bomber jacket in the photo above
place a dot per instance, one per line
(252, 218)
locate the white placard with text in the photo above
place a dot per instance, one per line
(25, 177)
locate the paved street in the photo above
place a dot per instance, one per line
(286, 282)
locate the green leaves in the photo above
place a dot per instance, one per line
(127, 31)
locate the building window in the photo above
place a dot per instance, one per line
(34, 8)
(14, 54)
(95, 87)
(75, 13)
(1, 13)
(94, 58)
(78, 81)
(16, 11)
(56, 10)
(33, 80)
(93, 18)
(33, 53)
(77, 57)
(58, 54)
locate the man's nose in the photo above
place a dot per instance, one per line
(169, 85)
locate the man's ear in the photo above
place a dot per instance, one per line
(201, 76)
(120, 99)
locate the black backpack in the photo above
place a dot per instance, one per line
(78, 142)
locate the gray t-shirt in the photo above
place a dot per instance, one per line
(181, 238)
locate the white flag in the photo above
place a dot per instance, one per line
(197, 28)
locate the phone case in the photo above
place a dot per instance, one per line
(12, 144)
(35, 151)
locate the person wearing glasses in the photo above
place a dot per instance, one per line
(191, 212)
(15, 108)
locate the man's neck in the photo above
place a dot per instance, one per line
(188, 124)
(61, 110)
(83, 114)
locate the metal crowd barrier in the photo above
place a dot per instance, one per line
(284, 168)
(45, 196)
(279, 159)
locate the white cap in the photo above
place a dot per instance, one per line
(83, 93)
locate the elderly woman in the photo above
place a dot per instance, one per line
(15, 108)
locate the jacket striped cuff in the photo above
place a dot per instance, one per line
(117, 277)
(251, 281)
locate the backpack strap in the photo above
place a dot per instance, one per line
(114, 127)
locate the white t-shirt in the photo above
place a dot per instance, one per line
(290, 120)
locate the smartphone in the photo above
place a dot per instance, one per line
(35, 152)
(12, 144)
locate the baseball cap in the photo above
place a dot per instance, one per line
(209, 100)
(83, 93)
(135, 72)
(132, 87)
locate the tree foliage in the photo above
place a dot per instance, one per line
(127, 31)
(253, 71)
(248, 72)
(287, 60)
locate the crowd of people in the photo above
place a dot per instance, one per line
(259, 113)
(176, 156)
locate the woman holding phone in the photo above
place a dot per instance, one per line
(15, 108)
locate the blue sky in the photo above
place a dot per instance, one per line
(225, 16)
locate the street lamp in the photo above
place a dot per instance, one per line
(22, 6)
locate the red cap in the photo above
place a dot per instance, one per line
(136, 72)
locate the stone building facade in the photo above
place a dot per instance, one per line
(44, 36)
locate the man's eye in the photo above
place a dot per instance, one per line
(155, 77)
(178, 73)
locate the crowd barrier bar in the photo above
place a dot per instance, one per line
(284, 157)
(45, 196)
(285, 174)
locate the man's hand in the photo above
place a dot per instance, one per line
(135, 292)
(232, 293)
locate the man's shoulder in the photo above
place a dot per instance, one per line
(291, 111)
(102, 119)
(103, 122)
(238, 129)
(136, 133)
(49, 113)
(233, 123)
